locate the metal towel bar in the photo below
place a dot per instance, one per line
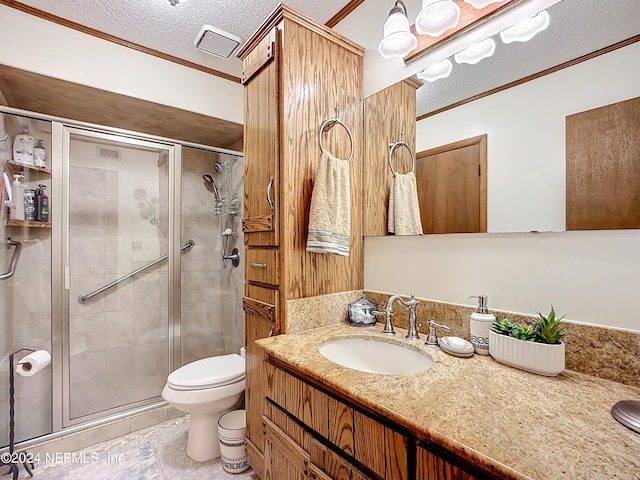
(14, 260)
(85, 297)
(401, 143)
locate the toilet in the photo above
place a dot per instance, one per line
(206, 389)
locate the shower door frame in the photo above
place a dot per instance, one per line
(59, 279)
(62, 270)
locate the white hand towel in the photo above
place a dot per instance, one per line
(404, 209)
(330, 212)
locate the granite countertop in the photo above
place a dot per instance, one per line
(518, 424)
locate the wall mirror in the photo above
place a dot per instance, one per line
(525, 122)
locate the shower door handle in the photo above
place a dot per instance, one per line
(269, 187)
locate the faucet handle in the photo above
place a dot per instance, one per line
(388, 327)
(432, 338)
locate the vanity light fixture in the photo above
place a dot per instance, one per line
(398, 40)
(526, 29)
(436, 17)
(441, 69)
(480, 4)
(476, 52)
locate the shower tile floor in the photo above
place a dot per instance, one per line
(155, 453)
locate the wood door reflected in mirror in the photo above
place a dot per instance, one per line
(452, 187)
(603, 167)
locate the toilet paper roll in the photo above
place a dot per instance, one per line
(34, 362)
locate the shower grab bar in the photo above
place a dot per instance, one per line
(85, 297)
(14, 260)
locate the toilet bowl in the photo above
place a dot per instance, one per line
(206, 389)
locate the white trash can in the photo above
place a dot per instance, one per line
(232, 428)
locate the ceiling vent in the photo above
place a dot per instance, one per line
(217, 42)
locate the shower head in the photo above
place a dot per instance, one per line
(208, 179)
(221, 168)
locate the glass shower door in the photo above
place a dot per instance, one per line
(116, 351)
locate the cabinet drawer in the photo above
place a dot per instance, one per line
(262, 266)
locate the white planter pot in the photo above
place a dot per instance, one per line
(540, 358)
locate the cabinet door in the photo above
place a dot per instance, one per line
(283, 458)
(430, 466)
(261, 146)
(260, 320)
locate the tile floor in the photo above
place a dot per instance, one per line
(155, 453)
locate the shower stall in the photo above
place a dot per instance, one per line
(133, 275)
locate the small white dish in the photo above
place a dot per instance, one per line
(456, 346)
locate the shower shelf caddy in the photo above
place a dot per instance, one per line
(17, 168)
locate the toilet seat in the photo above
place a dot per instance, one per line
(208, 373)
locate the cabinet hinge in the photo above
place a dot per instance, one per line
(479, 170)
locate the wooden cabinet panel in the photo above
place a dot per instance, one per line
(369, 442)
(396, 447)
(259, 323)
(452, 187)
(315, 410)
(283, 458)
(261, 266)
(259, 56)
(261, 151)
(316, 474)
(432, 467)
(341, 425)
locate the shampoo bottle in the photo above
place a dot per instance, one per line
(42, 205)
(17, 191)
(23, 147)
(29, 205)
(40, 155)
(480, 324)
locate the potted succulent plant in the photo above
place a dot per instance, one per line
(536, 348)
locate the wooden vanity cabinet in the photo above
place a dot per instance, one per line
(295, 74)
(331, 437)
(343, 442)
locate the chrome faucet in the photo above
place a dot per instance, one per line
(432, 338)
(411, 304)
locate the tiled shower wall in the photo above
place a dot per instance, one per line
(25, 304)
(118, 340)
(212, 316)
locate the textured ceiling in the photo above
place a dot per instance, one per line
(577, 28)
(158, 25)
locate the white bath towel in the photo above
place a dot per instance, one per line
(330, 212)
(404, 209)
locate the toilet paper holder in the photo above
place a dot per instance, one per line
(14, 460)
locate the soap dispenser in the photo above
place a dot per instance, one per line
(23, 147)
(17, 189)
(480, 323)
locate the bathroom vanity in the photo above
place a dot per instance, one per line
(464, 418)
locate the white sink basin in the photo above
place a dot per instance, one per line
(375, 356)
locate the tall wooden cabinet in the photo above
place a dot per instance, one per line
(296, 73)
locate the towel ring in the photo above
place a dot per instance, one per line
(401, 143)
(328, 124)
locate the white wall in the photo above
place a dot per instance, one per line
(591, 276)
(43, 47)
